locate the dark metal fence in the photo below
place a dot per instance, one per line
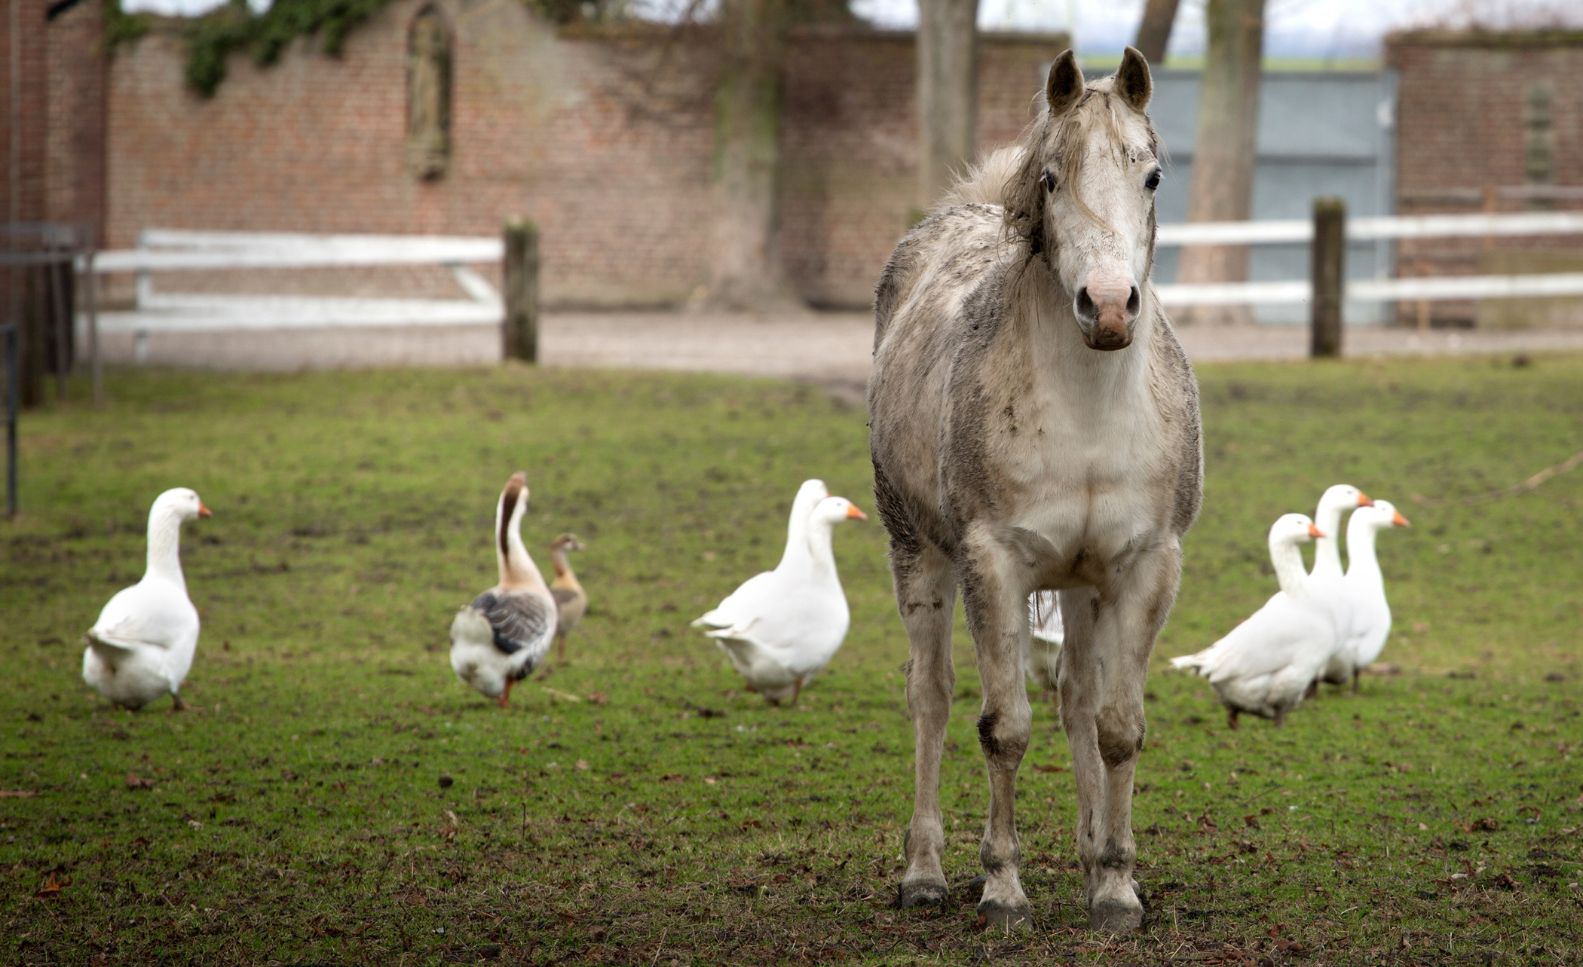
(9, 335)
(39, 293)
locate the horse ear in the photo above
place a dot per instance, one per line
(1065, 83)
(1132, 82)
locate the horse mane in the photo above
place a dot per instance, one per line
(985, 183)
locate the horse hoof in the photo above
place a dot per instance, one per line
(1116, 916)
(1003, 918)
(921, 893)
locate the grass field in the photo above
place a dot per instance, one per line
(341, 797)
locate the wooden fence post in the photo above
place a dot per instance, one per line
(1328, 273)
(520, 278)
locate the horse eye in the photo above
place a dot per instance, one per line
(1048, 180)
(1153, 181)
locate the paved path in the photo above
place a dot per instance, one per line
(827, 347)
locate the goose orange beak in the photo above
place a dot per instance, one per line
(852, 513)
(204, 511)
(1400, 521)
(1364, 500)
(1315, 531)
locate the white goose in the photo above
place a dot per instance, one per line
(1045, 635)
(793, 623)
(1325, 580)
(500, 638)
(1368, 613)
(1265, 665)
(793, 563)
(143, 643)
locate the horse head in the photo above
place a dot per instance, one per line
(1083, 197)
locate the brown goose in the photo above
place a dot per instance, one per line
(571, 601)
(503, 635)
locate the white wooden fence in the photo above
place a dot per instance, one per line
(169, 250)
(1417, 289)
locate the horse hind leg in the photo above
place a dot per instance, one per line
(997, 615)
(926, 597)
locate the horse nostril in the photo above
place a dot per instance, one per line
(1085, 305)
(1133, 302)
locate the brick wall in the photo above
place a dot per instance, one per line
(850, 142)
(74, 146)
(51, 112)
(605, 138)
(24, 103)
(1489, 122)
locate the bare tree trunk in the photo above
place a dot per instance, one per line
(1154, 31)
(1224, 152)
(947, 92)
(748, 274)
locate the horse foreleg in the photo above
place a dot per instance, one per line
(1127, 616)
(997, 615)
(1079, 682)
(926, 597)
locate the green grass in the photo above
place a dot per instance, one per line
(305, 815)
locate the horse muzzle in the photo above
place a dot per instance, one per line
(1107, 324)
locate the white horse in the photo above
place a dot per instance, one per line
(1035, 427)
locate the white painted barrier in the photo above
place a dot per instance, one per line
(203, 313)
(1379, 290)
(167, 250)
(180, 250)
(1415, 289)
(1374, 228)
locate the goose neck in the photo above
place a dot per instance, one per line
(516, 567)
(818, 544)
(164, 546)
(796, 541)
(1360, 548)
(1327, 549)
(1288, 562)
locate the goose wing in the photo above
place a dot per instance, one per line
(519, 619)
(145, 617)
(743, 601)
(1283, 636)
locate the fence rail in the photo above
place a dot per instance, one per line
(1427, 289)
(161, 250)
(180, 250)
(1375, 228)
(171, 250)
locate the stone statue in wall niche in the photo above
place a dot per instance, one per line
(428, 94)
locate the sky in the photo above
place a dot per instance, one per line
(1294, 28)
